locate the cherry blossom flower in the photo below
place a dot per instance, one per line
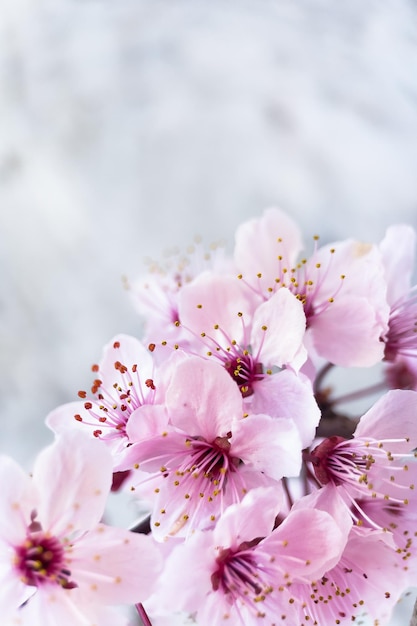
(58, 563)
(124, 383)
(340, 282)
(243, 571)
(362, 581)
(208, 455)
(253, 346)
(372, 465)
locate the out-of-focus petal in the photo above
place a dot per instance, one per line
(74, 477)
(115, 566)
(18, 499)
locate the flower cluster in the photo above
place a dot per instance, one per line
(266, 505)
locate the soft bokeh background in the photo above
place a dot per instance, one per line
(129, 126)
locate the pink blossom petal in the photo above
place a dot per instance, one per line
(13, 593)
(202, 399)
(257, 246)
(18, 500)
(397, 249)
(287, 395)
(253, 517)
(373, 574)
(52, 605)
(215, 300)
(115, 566)
(306, 544)
(153, 453)
(186, 578)
(278, 329)
(62, 419)
(328, 499)
(269, 445)
(347, 333)
(147, 421)
(362, 268)
(73, 476)
(392, 417)
(129, 351)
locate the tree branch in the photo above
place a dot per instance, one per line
(414, 615)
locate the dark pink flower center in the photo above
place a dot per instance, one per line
(323, 459)
(112, 405)
(236, 572)
(213, 460)
(245, 371)
(40, 559)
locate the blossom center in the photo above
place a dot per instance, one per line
(330, 463)
(236, 573)
(40, 559)
(213, 460)
(245, 371)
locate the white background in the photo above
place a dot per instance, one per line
(129, 126)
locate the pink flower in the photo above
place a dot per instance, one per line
(124, 383)
(243, 571)
(208, 455)
(370, 575)
(58, 564)
(342, 286)
(218, 311)
(252, 345)
(372, 465)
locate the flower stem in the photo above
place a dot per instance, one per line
(321, 375)
(414, 615)
(357, 395)
(143, 615)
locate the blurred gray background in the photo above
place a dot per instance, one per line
(129, 126)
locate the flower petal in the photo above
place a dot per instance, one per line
(202, 399)
(392, 417)
(269, 445)
(73, 476)
(18, 499)
(115, 566)
(278, 329)
(260, 241)
(253, 517)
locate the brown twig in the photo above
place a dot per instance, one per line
(414, 615)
